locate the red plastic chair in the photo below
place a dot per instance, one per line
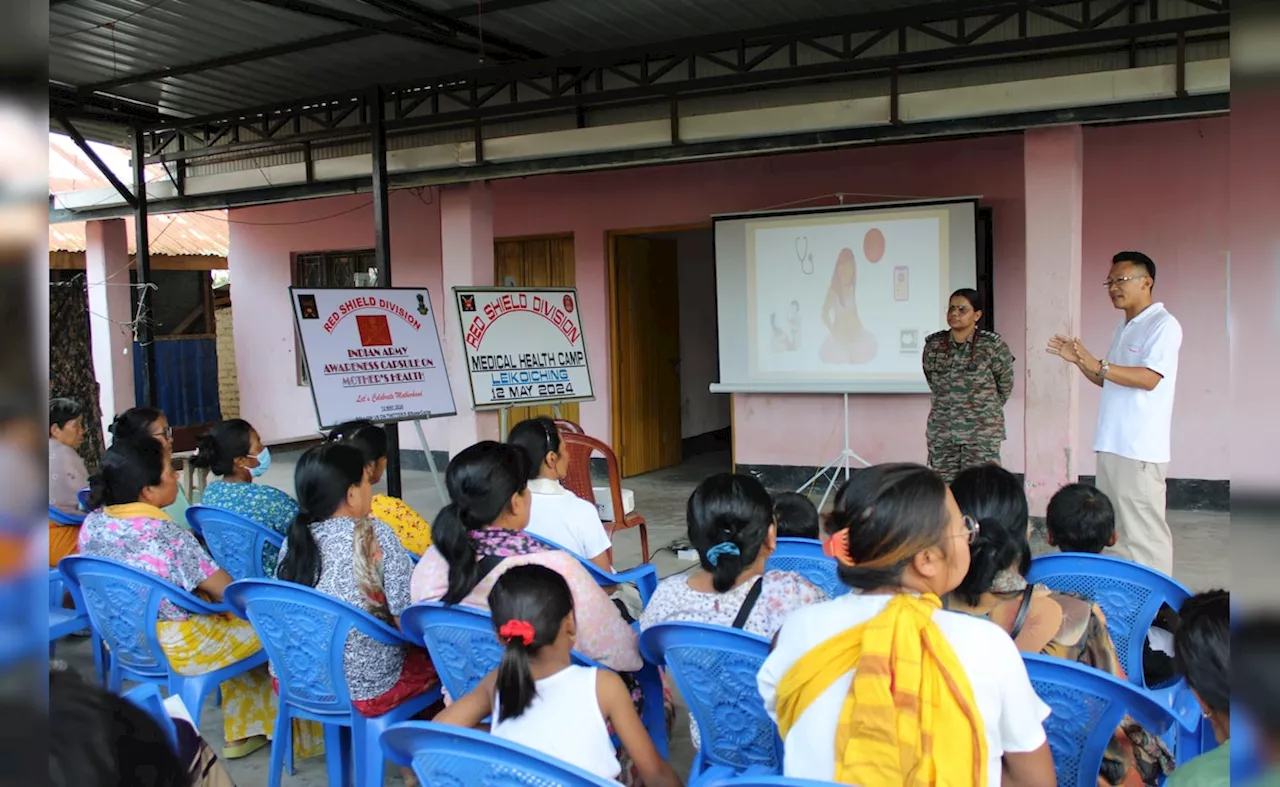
(578, 481)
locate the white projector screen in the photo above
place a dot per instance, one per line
(838, 300)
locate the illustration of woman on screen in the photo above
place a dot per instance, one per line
(781, 343)
(849, 342)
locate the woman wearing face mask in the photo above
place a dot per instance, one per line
(233, 450)
(149, 422)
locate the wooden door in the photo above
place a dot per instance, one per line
(535, 262)
(646, 354)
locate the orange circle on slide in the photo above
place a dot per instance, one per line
(873, 245)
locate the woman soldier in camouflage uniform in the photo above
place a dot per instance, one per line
(970, 373)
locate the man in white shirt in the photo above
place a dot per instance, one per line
(1137, 377)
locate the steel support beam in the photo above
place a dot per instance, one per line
(837, 49)
(382, 252)
(412, 12)
(144, 331)
(83, 144)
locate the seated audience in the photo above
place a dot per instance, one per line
(412, 530)
(335, 547)
(1080, 519)
(234, 451)
(481, 534)
(537, 692)
(128, 524)
(139, 422)
(1203, 646)
(67, 474)
(555, 513)
(1038, 619)
(884, 688)
(796, 516)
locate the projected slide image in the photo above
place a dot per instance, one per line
(836, 295)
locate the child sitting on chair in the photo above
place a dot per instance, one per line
(795, 515)
(1080, 518)
(538, 694)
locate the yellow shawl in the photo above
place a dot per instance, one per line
(136, 511)
(910, 719)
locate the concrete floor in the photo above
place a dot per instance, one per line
(1200, 545)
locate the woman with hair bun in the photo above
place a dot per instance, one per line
(233, 450)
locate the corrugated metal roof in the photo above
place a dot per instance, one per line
(175, 234)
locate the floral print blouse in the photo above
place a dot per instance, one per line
(782, 592)
(145, 538)
(412, 530)
(261, 503)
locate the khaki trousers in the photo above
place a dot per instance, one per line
(1137, 492)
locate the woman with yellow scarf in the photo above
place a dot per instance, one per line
(883, 688)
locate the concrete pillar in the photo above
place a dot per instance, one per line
(1053, 168)
(466, 241)
(110, 315)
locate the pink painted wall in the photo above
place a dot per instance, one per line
(262, 240)
(1156, 187)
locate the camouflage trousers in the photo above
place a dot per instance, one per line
(949, 458)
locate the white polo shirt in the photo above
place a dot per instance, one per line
(1134, 423)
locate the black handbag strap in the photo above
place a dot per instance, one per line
(748, 604)
(487, 564)
(1023, 610)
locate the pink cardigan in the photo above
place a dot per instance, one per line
(602, 633)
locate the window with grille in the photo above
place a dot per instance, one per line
(330, 269)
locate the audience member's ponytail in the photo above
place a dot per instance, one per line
(528, 605)
(729, 517)
(995, 498)
(127, 467)
(481, 480)
(324, 475)
(220, 447)
(536, 437)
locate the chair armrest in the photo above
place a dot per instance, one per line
(644, 575)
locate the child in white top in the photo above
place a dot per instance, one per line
(537, 696)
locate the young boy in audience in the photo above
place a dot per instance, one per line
(795, 515)
(1080, 518)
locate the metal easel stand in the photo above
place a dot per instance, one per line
(431, 460)
(843, 462)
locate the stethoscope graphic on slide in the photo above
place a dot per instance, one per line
(802, 253)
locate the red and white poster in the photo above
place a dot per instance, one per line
(372, 354)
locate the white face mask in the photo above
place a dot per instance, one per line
(264, 462)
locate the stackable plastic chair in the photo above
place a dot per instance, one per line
(715, 669)
(123, 604)
(464, 649)
(805, 557)
(458, 757)
(645, 575)
(239, 544)
(1087, 706)
(305, 633)
(1130, 595)
(63, 621)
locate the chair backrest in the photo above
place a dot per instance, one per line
(567, 427)
(63, 518)
(460, 640)
(305, 634)
(1087, 705)
(236, 542)
(123, 605)
(715, 669)
(56, 588)
(1130, 595)
(147, 697)
(460, 757)
(644, 575)
(577, 478)
(82, 497)
(805, 557)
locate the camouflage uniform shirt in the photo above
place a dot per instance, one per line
(967, 406)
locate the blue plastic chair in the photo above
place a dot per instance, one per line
(1130, 595)
(715, 669)
(83, 498)
(147, 697)
(63, 621)
(305, 632)
(805, 557)
(768, 781)
(459, 757)
(124, 607)
(1087, 706)
(63, 518)
(464, 649)
(239, 544)
(645, 575)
